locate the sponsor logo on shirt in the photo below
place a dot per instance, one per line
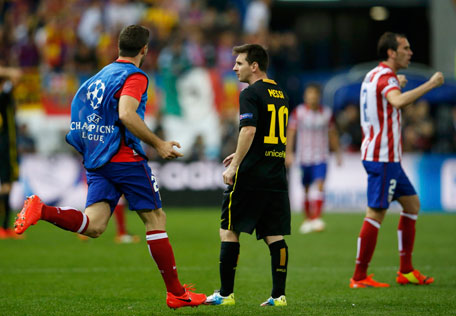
(276, 154)
(246, 116)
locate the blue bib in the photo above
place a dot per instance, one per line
(95, 129)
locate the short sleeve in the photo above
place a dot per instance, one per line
(387, 83)
(135, 86)
(248, 108)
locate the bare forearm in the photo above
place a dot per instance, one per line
(137, 127)
(411, 96)
(291, 135)
(245, 140)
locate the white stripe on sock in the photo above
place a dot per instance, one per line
(157, 236)
(372, 222)
(399, 240)
(150, 252)
(358, 249)
(411, 216)
(84, 222)
(66, 208)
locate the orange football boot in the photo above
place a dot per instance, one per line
(29, 215)
(367, 282)
(189, 298)
(414, 277)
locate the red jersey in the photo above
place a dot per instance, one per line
(380, 121)
(312, 128)
(134, 86)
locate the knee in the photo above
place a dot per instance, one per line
(161, 215)
(228, 235)
(94, 231)
(413, 208)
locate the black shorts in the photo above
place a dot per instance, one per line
(9, 168)
(267, 212)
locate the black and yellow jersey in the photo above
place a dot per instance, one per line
(264, 105)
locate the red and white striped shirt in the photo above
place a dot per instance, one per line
(380, 121)
(312, 127)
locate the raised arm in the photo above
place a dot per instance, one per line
(399, 100)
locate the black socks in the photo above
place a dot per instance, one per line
(229, 255)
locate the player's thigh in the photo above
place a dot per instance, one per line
(381, 184)
(139, 186)
(101, 189)
(405, 194)
(410, 203)
(319, 171)
(306, 175)
(240, 211)
(275, 219)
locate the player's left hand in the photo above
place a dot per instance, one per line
(167, 151)
(402, 80)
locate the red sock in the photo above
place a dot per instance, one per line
(366, 245)
(119, 213)
(318, 204)
(406, 239)
(307, 208)
(161, 251)
(66, 217)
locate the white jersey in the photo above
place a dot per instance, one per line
(380, 121)
(312, 127)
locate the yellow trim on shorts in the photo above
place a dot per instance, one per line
(231, 199)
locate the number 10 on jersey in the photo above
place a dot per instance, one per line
(282, 117)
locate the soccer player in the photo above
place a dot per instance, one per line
(107, 124)
(381, 101)
(256, 197)
(311, 130)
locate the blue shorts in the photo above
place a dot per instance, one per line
(133, 179)
(385, 183)
(310, 173)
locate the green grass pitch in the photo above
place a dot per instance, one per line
(51, 272)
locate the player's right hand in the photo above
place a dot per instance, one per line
(228, 176)
(437, 79)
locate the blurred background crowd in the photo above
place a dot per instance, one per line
(193, 91)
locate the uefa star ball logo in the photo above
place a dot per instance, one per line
(95, 93)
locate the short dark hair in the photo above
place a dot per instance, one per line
(388, 41)
(131, 39)
(255, 53)
(314, 85)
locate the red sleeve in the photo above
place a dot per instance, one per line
(134, 86)
(387, 83)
